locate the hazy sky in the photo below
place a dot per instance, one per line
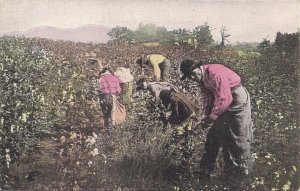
(244, 20)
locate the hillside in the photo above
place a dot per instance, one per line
(86, 33)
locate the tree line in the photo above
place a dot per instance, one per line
(199, 36)
(285, 43)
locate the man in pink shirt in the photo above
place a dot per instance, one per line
(229, 117)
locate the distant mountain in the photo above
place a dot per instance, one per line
(86, 33)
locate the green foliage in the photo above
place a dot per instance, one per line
(265, 45)
(181, 31)
(183, 37)
(22, 100)
(272, 81)
(121, 34)
(203, 35)
(287, 43)
(151, 33)
(35, 95)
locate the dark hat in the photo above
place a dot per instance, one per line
(142, 60)
(187, 67)
(105, 70)
(139, 61)
(140, 84)
(165, 96)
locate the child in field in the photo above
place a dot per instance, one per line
(109, 91)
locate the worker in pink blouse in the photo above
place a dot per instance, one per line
(109, 86)
(229, 118)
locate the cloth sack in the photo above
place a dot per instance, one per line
(118, 113)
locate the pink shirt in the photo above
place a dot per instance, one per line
(109, 84)
(220, 80)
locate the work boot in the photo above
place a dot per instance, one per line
(236, 172)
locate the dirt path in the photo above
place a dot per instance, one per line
(38, 172)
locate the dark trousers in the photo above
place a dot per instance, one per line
(233, 132)
(106, 103)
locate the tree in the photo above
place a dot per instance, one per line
(181, 31)
(224, 36)
(180, 36)
(146, 33)
(203, 35)
(152, 33)
(162, 34)
(265, 45)
(119, 33)
(287, 43)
